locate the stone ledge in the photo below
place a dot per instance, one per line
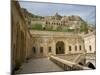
(67, 65)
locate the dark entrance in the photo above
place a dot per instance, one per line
(60, 47)
(90, 65)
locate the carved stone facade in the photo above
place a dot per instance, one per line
(89, 42)
(64, 22)
(58, 43)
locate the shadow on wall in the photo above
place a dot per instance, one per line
(90, 65)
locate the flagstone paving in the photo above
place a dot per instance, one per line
(39, 65)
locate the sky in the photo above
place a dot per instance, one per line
(86, 12)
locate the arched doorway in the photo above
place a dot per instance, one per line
(60, 47)
(34, 49)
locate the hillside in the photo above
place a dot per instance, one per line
(72, 23)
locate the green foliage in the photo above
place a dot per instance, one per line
(68, 30)
(37, 26)
(59, 28)
(49, 28)
(84, 27)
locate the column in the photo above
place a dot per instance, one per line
(54, 47)
(66, 47)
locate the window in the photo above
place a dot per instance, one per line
(34, 50)
(90, 48)
(41, 49)
(80, 47)
(69, 48)
(46, 22)
(49, 49)
(75, 48)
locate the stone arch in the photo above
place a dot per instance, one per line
(34, 49)
(60, 47)
(90, 65)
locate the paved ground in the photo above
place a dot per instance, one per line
(39, 65)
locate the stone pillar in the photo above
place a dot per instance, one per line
(54, 47)
(66, 47)
(37, 49)
(45, 49)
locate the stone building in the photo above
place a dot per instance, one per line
(58, 22)
(20, 36)
(26, 43)
(47, 42)
(89, 42)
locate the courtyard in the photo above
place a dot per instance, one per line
(39, 65)
(52, 43)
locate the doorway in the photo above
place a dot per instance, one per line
(60, 47)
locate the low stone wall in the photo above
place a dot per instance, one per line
(57, 62)
(67, 65)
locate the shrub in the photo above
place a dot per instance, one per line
(37, 26)
(84, 27)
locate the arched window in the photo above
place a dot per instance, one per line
(70, 48)
(34, 50)
(49, 49)
(90, 47)
(80, 47)
(75, 48)
(41, 49)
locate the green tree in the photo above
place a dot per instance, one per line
(37, 26)
(59, 28)
(84, 27)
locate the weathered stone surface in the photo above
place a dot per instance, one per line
(39, 65)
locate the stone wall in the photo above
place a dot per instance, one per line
(48, 39)
(58, 22)
(78, 43)
(20, 36)
(67, 65)
(90, 42)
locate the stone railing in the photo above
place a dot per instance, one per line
(80, 58)
(67, 65)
